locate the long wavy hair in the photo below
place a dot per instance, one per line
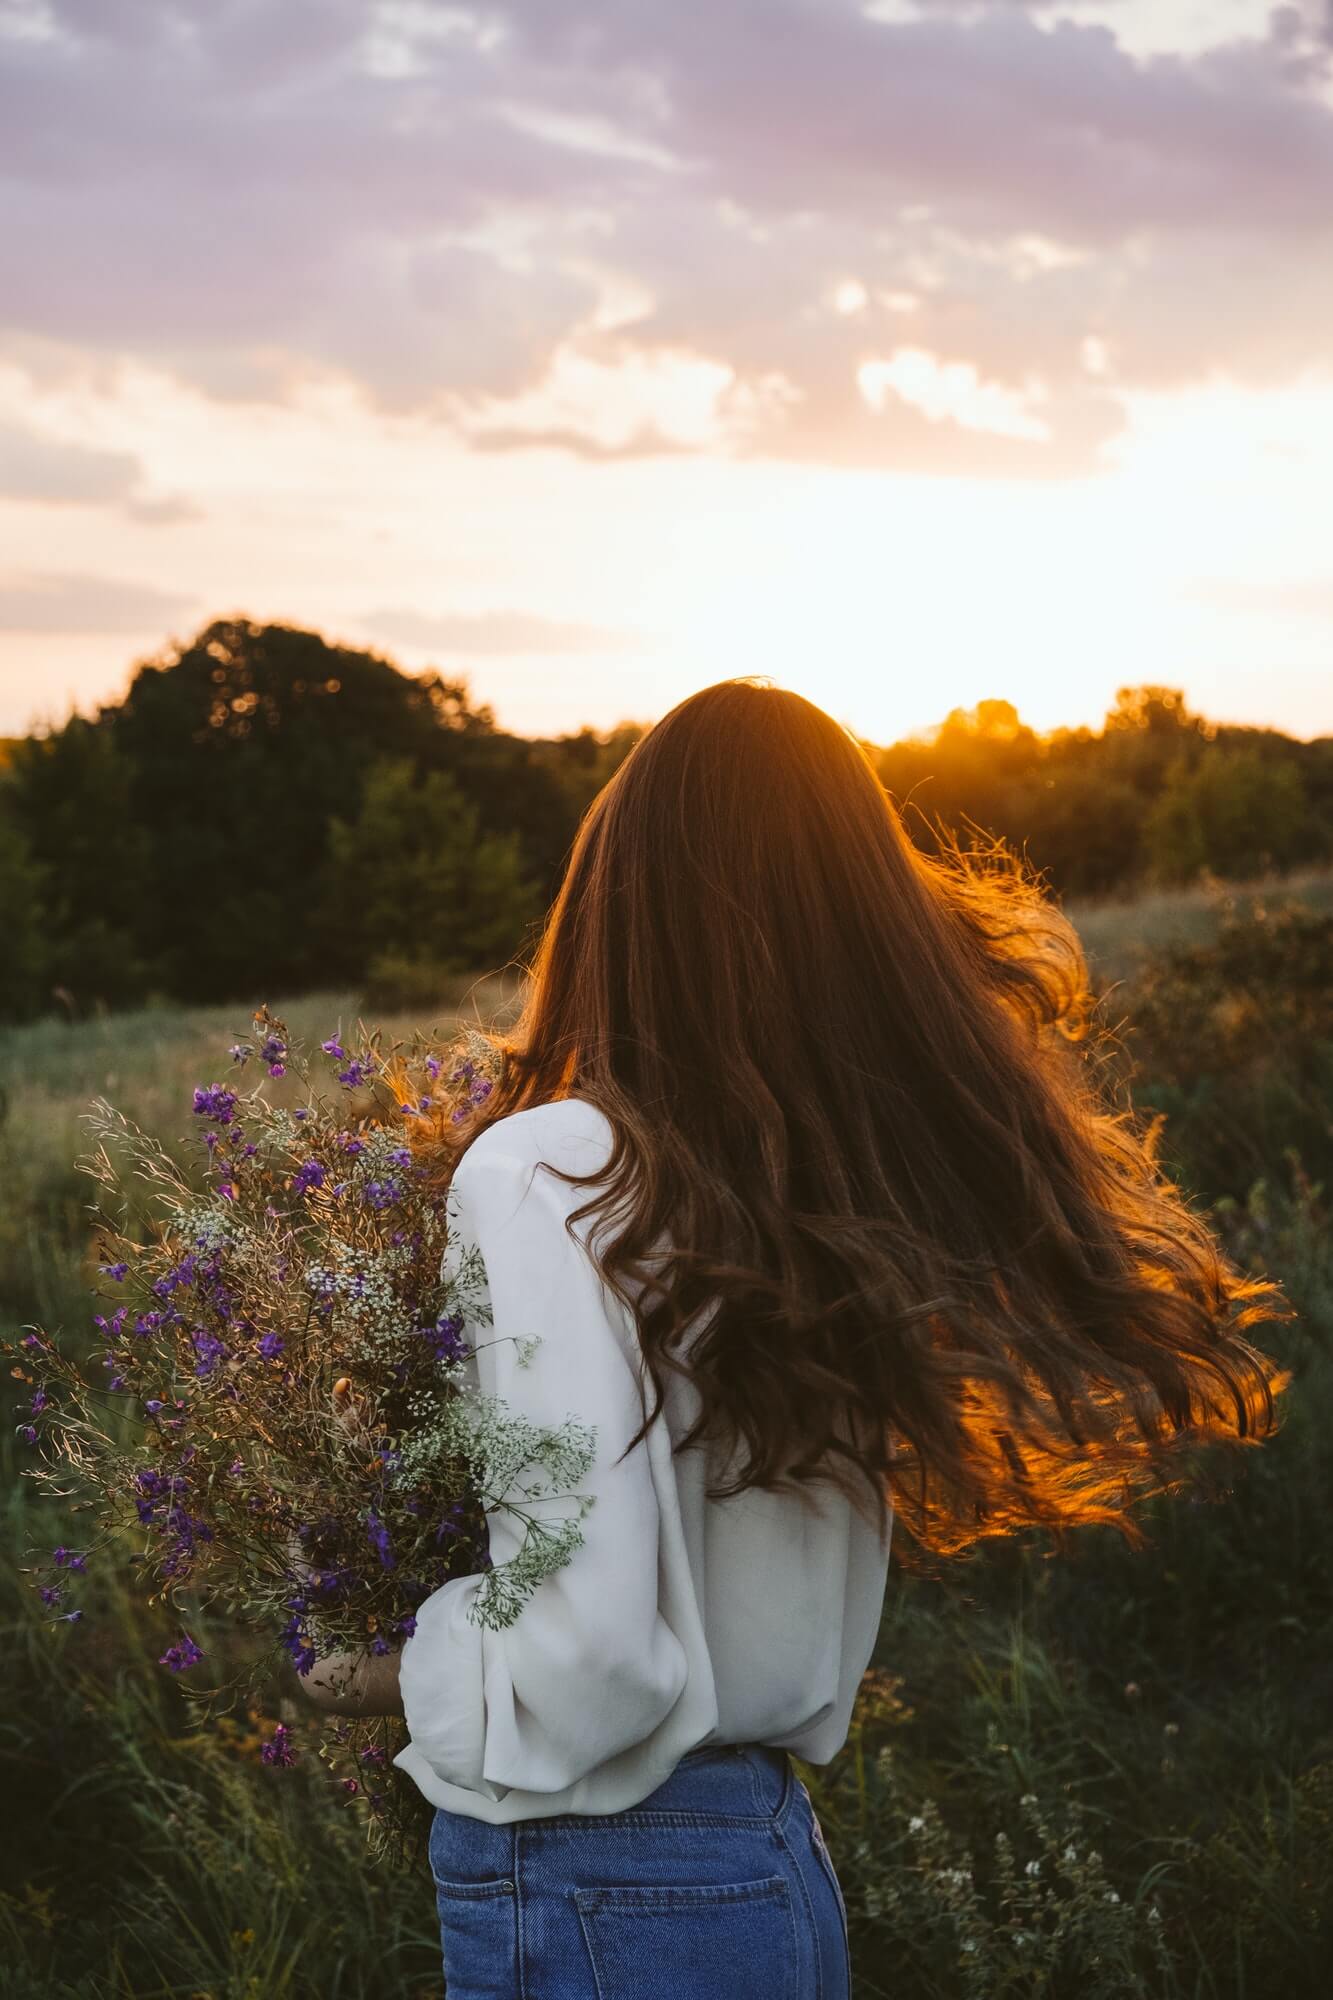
(857, 1093)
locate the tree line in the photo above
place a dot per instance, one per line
(266, 812)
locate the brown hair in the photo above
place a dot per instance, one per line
(855, 1090)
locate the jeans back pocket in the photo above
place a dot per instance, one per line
(720, 1941)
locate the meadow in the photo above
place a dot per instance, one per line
(1099, 1771)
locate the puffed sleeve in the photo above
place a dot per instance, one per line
(590, 1666)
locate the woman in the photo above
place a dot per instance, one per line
(799, 1176)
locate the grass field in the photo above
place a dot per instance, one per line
(1118, 935)
(1107, 1773)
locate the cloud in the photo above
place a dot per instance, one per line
(164, 512)
(443, 204)
(34, 467)
(68, 601)
(494, 632)
(1303, 597)
(647, 441)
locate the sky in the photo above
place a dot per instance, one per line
(910, 353)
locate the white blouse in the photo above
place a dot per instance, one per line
(680, 1620)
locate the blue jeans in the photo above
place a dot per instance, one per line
(717, 1886)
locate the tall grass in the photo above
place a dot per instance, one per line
(1119, 933)
(1109, 1773)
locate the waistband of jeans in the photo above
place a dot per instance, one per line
(707, 1752)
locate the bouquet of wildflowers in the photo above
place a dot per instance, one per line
(292, 1272)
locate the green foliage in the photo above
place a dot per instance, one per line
(24, 953)
(1234, 813)
(157, 1858)
(73, 794)
(185, 837)
(1034, 1912)
(416, 891)
(186, 845)
(1157, 794)
(1232, 1041)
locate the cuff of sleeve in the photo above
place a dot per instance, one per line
(442, 1686)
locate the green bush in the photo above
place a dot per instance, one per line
(1232, 1041)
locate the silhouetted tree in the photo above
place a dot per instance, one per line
(24, 959)
(267, 811)
(1234, 813)
(415, 890)
(73, 793)
(244, 744)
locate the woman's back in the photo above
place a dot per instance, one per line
(683, 1619)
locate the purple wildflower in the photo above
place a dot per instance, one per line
(114, 1271)
(373, 1754)
(271, 1345)
(380, 1195)
(240, 1053)
(354, 1074)
(40, 1399)
(278, 1749)
(298, 1645)
(69, 1618)
(333, 1047)
(28, 1433)
(209, 1349)
(434, 1065)
(350, 1785)
(378, 1537)
(186, 1654)
(51, 1593)
(274, 1053)
(215, 1102)
(310, 1175)
(446, 1338)
(236, 1468)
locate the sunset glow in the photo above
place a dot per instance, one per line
(525, 342)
